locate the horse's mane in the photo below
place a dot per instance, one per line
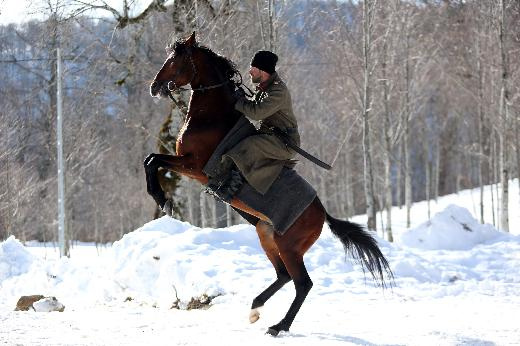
(223, 64)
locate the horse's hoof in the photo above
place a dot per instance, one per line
(272, 331)
(276, 329)
(254, 315)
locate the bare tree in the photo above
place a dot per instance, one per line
(504, 106)
(394, 93)
(369, 11)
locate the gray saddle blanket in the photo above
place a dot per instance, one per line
(286, 199)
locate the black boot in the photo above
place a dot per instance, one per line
(226, 183)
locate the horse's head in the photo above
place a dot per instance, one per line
(178, 69)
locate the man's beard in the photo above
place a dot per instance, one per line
(256, 79)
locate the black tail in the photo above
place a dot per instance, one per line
(363, 247)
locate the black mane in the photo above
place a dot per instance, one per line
(223, 64)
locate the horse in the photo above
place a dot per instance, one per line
(210, 116)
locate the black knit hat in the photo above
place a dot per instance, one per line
(265, 61)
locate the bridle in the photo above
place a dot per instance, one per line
(171, 84)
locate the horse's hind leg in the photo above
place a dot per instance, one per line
(265, 233)
(292, 246)
(302, 284)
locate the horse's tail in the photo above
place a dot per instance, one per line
(363, 247)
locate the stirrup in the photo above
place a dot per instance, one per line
(225, 189)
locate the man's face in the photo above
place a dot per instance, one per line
(256, 74)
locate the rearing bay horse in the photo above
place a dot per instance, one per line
(210, 116)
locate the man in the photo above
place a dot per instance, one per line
(261, 157)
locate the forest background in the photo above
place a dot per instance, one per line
(409, 100)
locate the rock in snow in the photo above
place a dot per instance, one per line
(48, 304)
(39, 303)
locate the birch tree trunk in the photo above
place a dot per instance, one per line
(189, 205)
(368, 15)
(229, 216)
(399, 179)
(493, 179)
(517, 141)
(350, 186)
(406, 144)
(480, 123)
(194, 195)
(203, 211)
(427, 167)
(387, 197)
(268, 31)
(220, 214)
(272, 28)
(504, 117)
(437, 168)
(458, 170)
(7, 197)
(323, 192)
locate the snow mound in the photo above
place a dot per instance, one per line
(14, 259)
(165, 224)
(454, 228)
(168, 259)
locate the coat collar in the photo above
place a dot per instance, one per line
(267, 83)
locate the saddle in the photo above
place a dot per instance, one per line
(283, 203)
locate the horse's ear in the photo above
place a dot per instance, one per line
(191, 41)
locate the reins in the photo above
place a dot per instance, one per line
(196, 89)
(170, 90)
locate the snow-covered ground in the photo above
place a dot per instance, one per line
(456, 282)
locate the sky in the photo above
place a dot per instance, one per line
(456, 283)
(17, 11)
(13, 11)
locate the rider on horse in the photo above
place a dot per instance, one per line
(261, 157)
(212, 122)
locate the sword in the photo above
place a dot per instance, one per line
(286, 139)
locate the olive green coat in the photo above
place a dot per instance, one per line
(261, 157)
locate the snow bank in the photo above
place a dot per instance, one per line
(460, 291)
(454, 228)
(161, 261)
(168, 259)
(14, 259)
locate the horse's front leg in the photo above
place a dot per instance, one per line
(186, 164)
(152, 181)
(182, 164)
